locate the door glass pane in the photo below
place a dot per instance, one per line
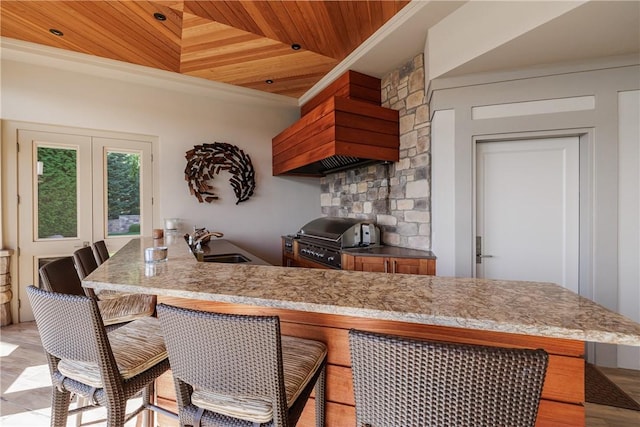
(123, 193)
(57, 192)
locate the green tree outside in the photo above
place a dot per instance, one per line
(57, 190)
(123, 189)
(57, 193)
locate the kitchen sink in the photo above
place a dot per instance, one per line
(227, 258)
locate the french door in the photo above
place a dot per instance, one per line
(75, 189)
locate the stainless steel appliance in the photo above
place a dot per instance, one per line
(322, 239)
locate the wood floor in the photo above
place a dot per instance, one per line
(24, 380)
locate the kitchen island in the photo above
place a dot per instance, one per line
(324, 304)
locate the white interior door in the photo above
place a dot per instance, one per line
(527, 210)
(55, 204)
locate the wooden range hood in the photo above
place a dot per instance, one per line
(342, 127)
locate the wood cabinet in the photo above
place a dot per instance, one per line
(382, 264)
(369, 263)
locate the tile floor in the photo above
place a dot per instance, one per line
(26, 384)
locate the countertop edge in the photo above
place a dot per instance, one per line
(499, 306)
(427, 320)
(389, 251)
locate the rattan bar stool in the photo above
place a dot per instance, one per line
(100, 251)
(405, 382)
(62, 277)
(237, 370)
(85, 261)
(108, 369)
(88, 259)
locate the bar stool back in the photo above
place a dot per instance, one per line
(100, 251)
(406, 382)
(85, 261)
(61, 276)
(237, 370)
(106, 369)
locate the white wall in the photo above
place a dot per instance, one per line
(180, 119)
(602, 258)
(443, 205)
(629, 218)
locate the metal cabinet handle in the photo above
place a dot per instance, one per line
(479, 255)
(386, 265)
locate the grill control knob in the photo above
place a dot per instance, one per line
(331, 259)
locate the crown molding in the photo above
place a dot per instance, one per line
(46, 56)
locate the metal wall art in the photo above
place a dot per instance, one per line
(207, 160)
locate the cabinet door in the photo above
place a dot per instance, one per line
(389, 265)
(413, 266)
(371, 264)
(288, 261)
(405, 265)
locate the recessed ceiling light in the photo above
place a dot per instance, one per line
(159, 16)
(56, 32)
(295, 46)
(268, 81)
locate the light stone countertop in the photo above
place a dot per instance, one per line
(530, 308)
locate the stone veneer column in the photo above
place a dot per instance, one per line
(5, 288)
(395, 196)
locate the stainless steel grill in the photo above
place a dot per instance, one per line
(322, 239)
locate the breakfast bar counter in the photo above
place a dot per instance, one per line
(323, 304)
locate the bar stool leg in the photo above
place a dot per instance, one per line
(59, 407)
(147, 414)
(82, 401)
(320, 397)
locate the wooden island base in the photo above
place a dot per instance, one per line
(562, 396)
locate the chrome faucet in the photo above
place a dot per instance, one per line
(201, 236)
(207, 235)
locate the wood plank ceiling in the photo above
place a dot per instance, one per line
(243, 43)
